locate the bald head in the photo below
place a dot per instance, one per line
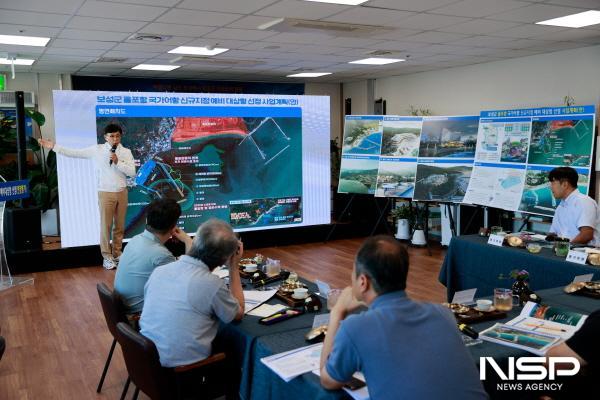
(214, 243)
(385, 261)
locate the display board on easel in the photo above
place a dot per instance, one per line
(516, 150)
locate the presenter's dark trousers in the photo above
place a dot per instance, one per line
(113, 207)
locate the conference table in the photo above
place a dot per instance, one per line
(472, 263)
(252, 341)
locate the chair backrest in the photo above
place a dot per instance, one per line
(2, 347)
(143, 363)
(112, 307)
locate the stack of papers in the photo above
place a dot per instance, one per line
(293, 363)
(254, 298)
(265, 310)
(536, 329)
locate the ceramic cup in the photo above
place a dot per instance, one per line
(300, 293)
(250, 267)
(484, 305)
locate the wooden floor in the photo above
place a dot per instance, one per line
(57, 340)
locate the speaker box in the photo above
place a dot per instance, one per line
(22, 229)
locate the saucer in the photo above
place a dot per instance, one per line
(492, 308)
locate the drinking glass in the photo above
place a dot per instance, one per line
(293, 278)
(561, 249)
(503, 299)
(494, 230)
(332, 298)
(273, 268)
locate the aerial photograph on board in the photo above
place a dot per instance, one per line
(362, 136)
(516, 142)
(396, 179)
(358, 175)
(442, 182)
(561, 142)
(401, 138)
(455, 138)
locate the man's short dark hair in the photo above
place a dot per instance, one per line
(564, 174)
(385, 261)
(214, 243)
(112, 128)
(162, 215)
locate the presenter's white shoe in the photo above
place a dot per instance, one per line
(109, 264)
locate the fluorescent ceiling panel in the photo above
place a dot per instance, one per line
(156, 67)
(345, 2)
(198, 51)
(24, 40)
(578, 20)
(308, 74)
(18, 61)
(377, 61)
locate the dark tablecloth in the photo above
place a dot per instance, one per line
(471, 263)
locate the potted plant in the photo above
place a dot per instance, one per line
(404, 217)
(418, 238)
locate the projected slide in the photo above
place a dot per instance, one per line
(245, 159)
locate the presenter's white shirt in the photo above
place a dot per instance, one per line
(111, 177)
(574, 212)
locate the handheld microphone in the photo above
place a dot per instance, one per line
(112, 150)
(467, 330)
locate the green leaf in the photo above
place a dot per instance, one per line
(33, 144)
(37, 116)
(41, 196)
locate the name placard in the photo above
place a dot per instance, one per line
(464, 296)
(496, 240)
(577, 257)
(584, 278)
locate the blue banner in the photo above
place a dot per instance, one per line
(14, 190)
(364, 117)
(539, 112)
(197, 111)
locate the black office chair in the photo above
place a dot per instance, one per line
(146, 373)
(113, 314)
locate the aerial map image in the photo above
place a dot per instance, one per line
(561, 142)
(358, 175)
(401, 138)
(442, 182)
(449, 138)
(396, 179)
(514, 148)
(537, 197)
(362, 136)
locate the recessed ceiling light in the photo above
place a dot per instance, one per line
(24, 40)
(156, 67)
(377, 61)
(308, 74)
(345, 2)
(578, 20)
(17, 61)
(198, 51)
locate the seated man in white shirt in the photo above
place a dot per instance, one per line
(576, 217)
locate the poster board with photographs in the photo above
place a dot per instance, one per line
(517, 149)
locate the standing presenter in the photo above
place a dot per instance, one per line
(113, 163)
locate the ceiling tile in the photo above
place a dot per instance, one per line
(232, 6)
(525, 43)
(322, 49)
(172, 41)
(516, 53)
(164, 3)
(528, 30)
(480, 27)
(93, 35)
(228, 44)
(556, 46)
(33, 18)
(410, 5)
(400, 45)
(75, 52)
(396, 34)
(589, 4)
(301, 9)
(481, 41)
(479, 8)
(130, 54)
(429, 21)
(27, 30)
(437, 49)
(46, 6)
(301, 38)
(105, 24)
(535, 13)
(177, 29)
(248, 34)
(150, 48)
(21, 50)
(92, 8)
(574, 35)
(348, 42)
(82, 44)
(60, 57)
(435, 37)
(369, 16)
(272, 46)
(250, 22)
(190, 17)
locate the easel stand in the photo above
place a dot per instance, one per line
(382, 212)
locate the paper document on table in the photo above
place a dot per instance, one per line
(357, 394)
(296, 362)
(221, 272)
(265, 310)
(320, 319)
(254, 298)
(548, 320)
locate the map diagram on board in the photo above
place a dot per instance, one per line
(561, 142)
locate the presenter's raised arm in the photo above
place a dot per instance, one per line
(48, 144)
(126, 163)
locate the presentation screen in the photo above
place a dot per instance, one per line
(255, 161)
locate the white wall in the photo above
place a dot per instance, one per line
(526, 82)
(333, 90)
(357, 91)
(41, 85)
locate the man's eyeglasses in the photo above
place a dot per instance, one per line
(113, 135)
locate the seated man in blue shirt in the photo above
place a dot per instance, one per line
(146, 251)
(405, 349)
(576, 217)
